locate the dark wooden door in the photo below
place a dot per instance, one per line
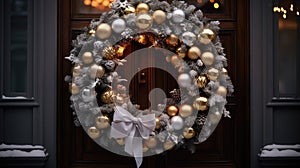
(228, 146)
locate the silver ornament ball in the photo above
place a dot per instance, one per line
(184, 80)
(188, 38)
(178, 16)
(177, 122)
(118, 25)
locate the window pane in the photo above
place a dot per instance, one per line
(288, 48)
(18, 45)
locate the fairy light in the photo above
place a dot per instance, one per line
(99, 4)
(284, 11)
(216, 5)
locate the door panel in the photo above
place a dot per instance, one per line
(228, 146)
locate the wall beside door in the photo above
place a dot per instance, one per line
(32, 119)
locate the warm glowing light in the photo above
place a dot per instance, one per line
(298, 13)
(216, 5)
(211, 1)
(276, 9)
(106, 3)
(292, 7)
(200, 1)
(87, 2)
(284, 16)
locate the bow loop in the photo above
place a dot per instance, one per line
(133, 129)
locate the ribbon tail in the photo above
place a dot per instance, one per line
(138, 151)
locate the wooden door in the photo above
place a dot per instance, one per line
(228, 146)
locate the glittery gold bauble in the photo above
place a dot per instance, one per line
(201, 103)
(107, 97)
(120, 141)
(188, 133)
(201, 81)
(96, 71)
(194, 53)
(144, 21)
(151, 142)
(168, 145)
(77, 70)
(224, 71)
(93, 132)
(102, 122)
(180, 53)
(103, 31)
(185, 110)
(129, 10)
(74, 89)
(213, 74)
(109, 53)
(157, 121)
(142, 39)
(87, 58)
(159, 16)
(142, 8)
(207, 36)
(172, 40)
(222, 91)
(207, 58)
(145, 148)
(172, 111)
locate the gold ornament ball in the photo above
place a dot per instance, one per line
(194, 53)
(168, 145)
(107, 97)
(109, 53)
(151, 142)
(145, 148)
(157, 125)
(77, 70)
(142, 8)
(175, 60)
(144, 21)
(222, 91)
(185, 110)
(159, 16)
(172, 111)
(102, 122)
(129, 10)
(188, 133)
(180, 53)
(208, 58)
(201, 81)
(74, 89)
(201, 103)
(103, 31)
(224, 71)
(172, 40)
(87, 58)
(207, 36)
(96, 71)
(120, 141)
(119, 100)
(93, 132)
(213, 74)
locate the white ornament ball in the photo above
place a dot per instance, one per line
(177, 122)
(87, 95)
(184, 80)
(214, 117)
(178, 16)
(188, 38)
(118, 25)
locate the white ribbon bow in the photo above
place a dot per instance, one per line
(134, 130)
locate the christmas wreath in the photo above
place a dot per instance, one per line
(100, 98)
